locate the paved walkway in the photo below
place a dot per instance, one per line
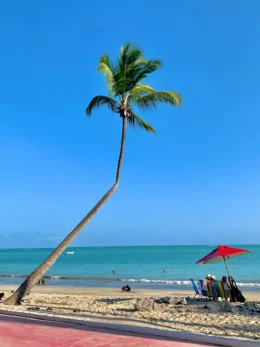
(22, 332)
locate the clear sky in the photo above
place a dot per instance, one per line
(196, 181)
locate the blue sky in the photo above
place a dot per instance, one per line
(196, 181)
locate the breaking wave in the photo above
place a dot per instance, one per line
(116, 279)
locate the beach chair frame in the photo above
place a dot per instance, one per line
(196, 289)
(204, 293)
(199, 290)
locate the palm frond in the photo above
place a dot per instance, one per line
(134, 56)
(130, 58)
(139, 90)
(130, 55)
(105, 65)
(124, 52)
(136, 121)
(109, 71)
(149, 67)
(140, 62)
(139, 71)
(130, 68)
(151, 100)
(101, 100)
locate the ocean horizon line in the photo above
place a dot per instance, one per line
(121, 246)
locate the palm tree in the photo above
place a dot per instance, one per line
(124, 79)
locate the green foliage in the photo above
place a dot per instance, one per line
(109, 71)
(124, 79)
(151, 100)
(101, 100)
(139, 90)
(136, 121)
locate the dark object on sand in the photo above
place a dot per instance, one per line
(126, 288)
(41, 282)
(236, 294)
(1, 296)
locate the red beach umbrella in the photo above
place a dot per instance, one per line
(222, 253)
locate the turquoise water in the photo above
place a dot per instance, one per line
(142, 267)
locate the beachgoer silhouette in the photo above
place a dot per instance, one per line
(41, 282)
(126, 288)
(227, 288)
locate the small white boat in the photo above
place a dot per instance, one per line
(70, 252)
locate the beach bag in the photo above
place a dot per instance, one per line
(236, 294)
(239, 296)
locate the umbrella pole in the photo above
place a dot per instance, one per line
(233, 295)
(226, 266)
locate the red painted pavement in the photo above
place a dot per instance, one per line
(21, 332)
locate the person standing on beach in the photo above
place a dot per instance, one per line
(213, 292)
(227, 288)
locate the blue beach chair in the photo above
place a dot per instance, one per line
(196, 289)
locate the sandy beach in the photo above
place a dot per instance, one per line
(116, 306)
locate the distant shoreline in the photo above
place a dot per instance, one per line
(118, 246)
(81, 285)
(94, 291)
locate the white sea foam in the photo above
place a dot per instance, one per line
(144, 280)
(248, 284)
(180, 282)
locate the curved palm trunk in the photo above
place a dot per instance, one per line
(37, 274)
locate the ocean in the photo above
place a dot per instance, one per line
(141, 267)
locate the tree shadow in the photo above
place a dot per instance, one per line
(98, 316)
(127, 310)
(113, 301)
(210, 325)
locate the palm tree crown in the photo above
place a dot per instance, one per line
(124, 79)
